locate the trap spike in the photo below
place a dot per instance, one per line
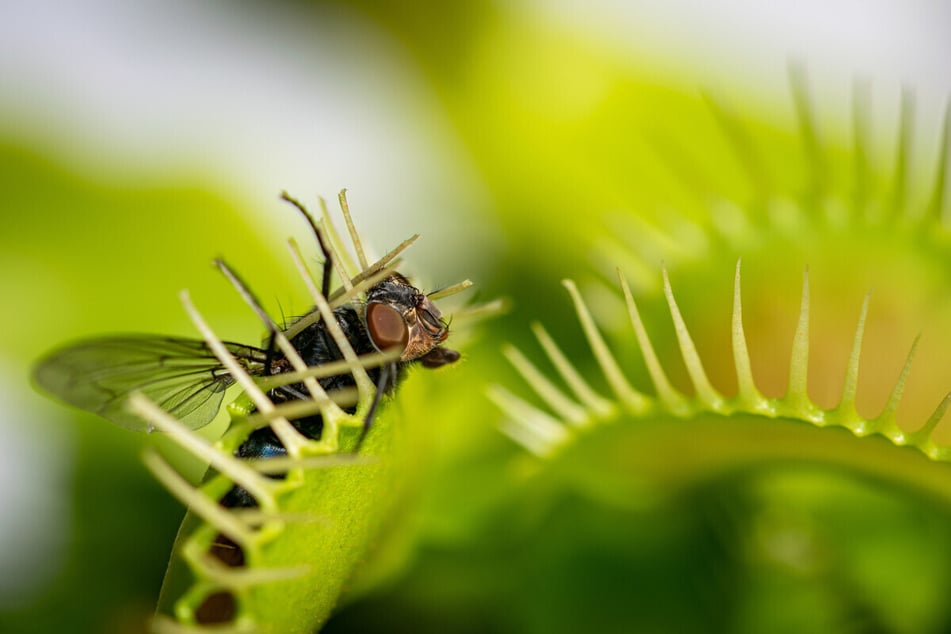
(339, 297)
(203, 506)
(797, 393)
(324, 370)
(921, 438)
(746, 386)
(477, 312)
(612, 252)
(297, 408)
(567, 410)
(335, 240)
(278, 465)
(254, 516)
(743, 148)
(288, 436)
(815, 158)
(705, 391)
(683, 166)
(526, 424)
(377, 266)
(237, 579)
(846, 405)
(450, 290)
(582, 391)
(365, 386)
(935, 207)
(673, 399)
(233, 468)
(861, 105)
(636, 401)
(343, 296)
(325, 404)
(333, 266)
(886, 420)
(354, 235)
(335, 259)
(902, 151)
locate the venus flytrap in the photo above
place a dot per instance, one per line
(627, 438)
(548, 432)
(274, 587)
(300, 483)
(281, 566)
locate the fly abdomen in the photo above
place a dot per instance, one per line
(263, 444)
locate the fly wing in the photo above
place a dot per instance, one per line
(181, 375)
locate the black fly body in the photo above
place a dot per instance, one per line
(187, 380)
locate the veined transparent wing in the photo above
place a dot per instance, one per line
(181, 375)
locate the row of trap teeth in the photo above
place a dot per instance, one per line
(247, 526)
(320, 402)
(544, 432)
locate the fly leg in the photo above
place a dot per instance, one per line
(381, 384)
(269, 357)
(321, 240)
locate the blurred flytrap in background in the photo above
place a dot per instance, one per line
(534, 144)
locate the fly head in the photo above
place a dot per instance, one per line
(399, 316)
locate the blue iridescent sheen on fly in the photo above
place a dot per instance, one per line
(300, 441)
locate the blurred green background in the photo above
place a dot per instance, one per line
(526, 142)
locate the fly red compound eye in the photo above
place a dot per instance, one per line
(175, 385)
(386, 327)
(431, 323)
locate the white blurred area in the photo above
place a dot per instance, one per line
(252, 97)
(747, 40)
(738, 49)
(34, 491)
(261, 97)
(256, 98)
